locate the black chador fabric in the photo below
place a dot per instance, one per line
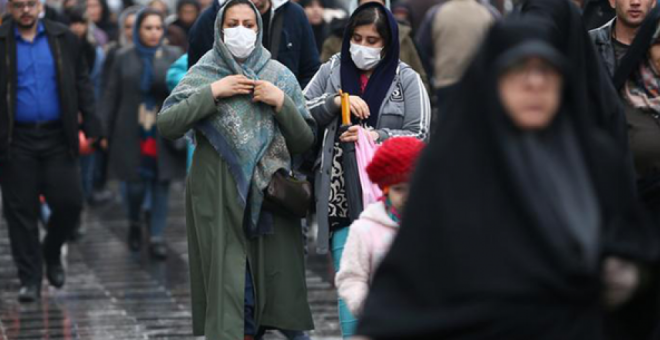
(562, 19)
(504, 230)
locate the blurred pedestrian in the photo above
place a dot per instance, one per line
(517, 210)
(288, 36)
(246, 129)
(79, 24)
(187, 12)
(139, 157)
(450, 36)
(386, 96)
(179, 25)
(125, 22)
(47, 85)
(314, 11)
(614, 38)
(408, 49)
(101, 194)
(372, 234)
(99, 13)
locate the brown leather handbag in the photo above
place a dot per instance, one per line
(288, 195)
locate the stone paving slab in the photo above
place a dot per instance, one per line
(114, 294)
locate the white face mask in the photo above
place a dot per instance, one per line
(240, 41)
(365, 58)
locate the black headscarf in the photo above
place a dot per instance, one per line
(487, 251)
(383, 76)
(601, 102)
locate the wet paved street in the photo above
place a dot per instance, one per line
(112, 293)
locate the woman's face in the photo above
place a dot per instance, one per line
(314, 13)
(531, 93)
(188, 14)
(654, 55)
(367, 35)
(398, 195)
(94, 10)
(128, 27)
(151, 31)
(241, 15)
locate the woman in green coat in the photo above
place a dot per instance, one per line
(248, 115)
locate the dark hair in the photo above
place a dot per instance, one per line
(181, 3)
(147, 12)
(232, 3)
(76, 15)
(308, 3)
(369, 16)
(105, 16)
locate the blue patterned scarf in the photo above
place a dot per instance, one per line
(245, 134)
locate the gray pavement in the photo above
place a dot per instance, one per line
(112, 293)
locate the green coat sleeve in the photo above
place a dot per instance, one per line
(178, 119)
(296, 131)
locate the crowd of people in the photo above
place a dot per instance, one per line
(475, 169)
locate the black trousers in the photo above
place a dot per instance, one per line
(39, 163)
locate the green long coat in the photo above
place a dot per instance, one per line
(217, 246)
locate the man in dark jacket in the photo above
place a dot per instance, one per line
(45, 85)
(287, 29)
(613, 39)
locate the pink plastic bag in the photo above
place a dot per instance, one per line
(365, 149)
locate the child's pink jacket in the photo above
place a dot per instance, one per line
(369, 239)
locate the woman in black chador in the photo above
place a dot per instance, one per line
(517, 208)
(597, 97)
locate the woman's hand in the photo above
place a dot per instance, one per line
(231, 86)
(359, 107)
(268, 93)
(351, 135)
(620, 280)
